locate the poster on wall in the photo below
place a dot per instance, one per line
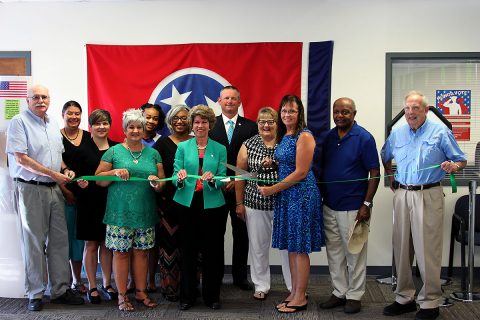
(455, 106)
(13, 94)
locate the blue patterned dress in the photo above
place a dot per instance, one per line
(298, 217)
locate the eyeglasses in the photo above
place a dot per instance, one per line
(411, 108)
(265, 122)
(176, 119)
(289, 111)
(38, 97)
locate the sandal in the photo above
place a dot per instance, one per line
(259, 295)
(282, 304)
(125, 304)
(93, 299)
(293, 309)
(79, 287)
(147, 302)
(111, 295)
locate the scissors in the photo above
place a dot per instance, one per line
(243, 173)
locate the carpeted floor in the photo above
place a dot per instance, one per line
(237, 304)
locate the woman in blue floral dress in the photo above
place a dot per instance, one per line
(297, 221)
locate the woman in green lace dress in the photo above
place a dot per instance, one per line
(131, 212)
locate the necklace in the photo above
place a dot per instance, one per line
(66, 135)
(135, 158)
(202, 148)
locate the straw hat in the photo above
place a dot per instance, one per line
(358, 236)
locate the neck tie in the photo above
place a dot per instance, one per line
(230, 130)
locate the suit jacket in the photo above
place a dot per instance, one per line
(244, 129)
(186, 158)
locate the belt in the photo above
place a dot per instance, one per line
(37, 183)
(416, 187)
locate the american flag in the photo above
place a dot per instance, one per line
(13, 89)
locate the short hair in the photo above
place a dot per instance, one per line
(354, 107)
(172, 113)
(268, 111)
(301, 124)
(133, 115)
(230, 88)
(99, 115)
(71, 103)
(161, 115)
(204, 112)
(416, 93)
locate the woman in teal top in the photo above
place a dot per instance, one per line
(201, 209)
(131, 212)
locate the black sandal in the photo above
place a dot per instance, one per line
(109, 294)
(93, 299)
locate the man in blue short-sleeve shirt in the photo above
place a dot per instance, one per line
(34, 149)
(349, 153)
(417, 147)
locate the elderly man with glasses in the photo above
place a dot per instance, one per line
(34, 148)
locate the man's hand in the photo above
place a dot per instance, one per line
(363, 213)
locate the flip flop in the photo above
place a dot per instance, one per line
(293, 309)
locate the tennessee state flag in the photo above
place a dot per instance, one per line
(123, 76)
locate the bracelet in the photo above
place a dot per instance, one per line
(62, 171)
(239, 204)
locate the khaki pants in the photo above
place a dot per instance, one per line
(418, 228)
(348, 271)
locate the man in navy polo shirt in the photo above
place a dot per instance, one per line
(349, 153)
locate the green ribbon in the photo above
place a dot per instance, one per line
(453, 181)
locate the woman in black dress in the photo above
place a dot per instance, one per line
(75, 142)
(167, 236)
(91, 203)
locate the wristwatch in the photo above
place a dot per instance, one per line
(368, 204)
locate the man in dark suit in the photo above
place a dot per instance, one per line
(232, 130)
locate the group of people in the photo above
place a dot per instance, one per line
(181, 221)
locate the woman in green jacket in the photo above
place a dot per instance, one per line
(201, 209)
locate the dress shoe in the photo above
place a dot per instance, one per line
(214, 305)
(35, 305)
(69, 297)
(333, 302)
(352, 306)
(185, 306)
(427, 314)
(243, 285)
(396, 309)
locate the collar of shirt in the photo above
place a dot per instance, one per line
(37, 118)
(225, 120)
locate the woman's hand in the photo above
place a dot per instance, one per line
(267, 162)
(181, 175)
(122, 174)
(266, 191)
(240, 211)
(154, 184)
(82, 183)
(207, 176)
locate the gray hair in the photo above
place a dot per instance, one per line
(172, 113)
(133, 115)
(417, 93)
(352, 103)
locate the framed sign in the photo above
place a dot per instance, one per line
(451, 83)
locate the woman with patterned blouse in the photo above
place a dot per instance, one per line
(255, 209)
(131, 206)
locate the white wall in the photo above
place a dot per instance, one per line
(363, 31)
